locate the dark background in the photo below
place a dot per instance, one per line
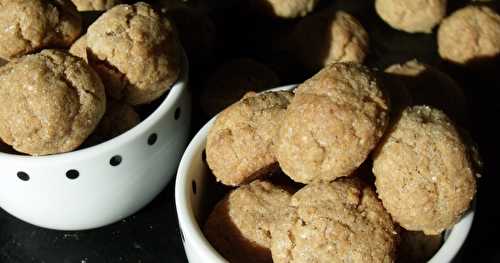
(152, 234)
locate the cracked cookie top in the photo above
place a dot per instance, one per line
(334, 121)
(471, 33)
(340, 221)
(135, 51)
(424, 172)
(239, 226)
(27, 26)
(95, 5)
(49, 102)
(240, 144)
(328, 37)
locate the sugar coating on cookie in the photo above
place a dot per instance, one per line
(339, 221)
(118, 119)
(79, 48)
(95, 5)
(412, 16)
(135, 51)
(334, 121)
(328, 37)
(30, 25)
(471, 33)
(240, 144)
(417, 247)
(428, 85)
(232, 80)
(424, 172)
(50, 102)
(239, 226)
(286, 8)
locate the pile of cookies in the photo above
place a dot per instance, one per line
(367, 181)
(60, 90)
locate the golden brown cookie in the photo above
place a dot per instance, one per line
(79, 48)
(49, 102)
(339, 221)
(27, 26)
(428, 85)
(232, 80)
(412, 16)
(424, 172)
(328, 37)
(118, 119)
(334, 121)
(95, 5)
(136, 53)
(285, 8)
(469, 34)
(240, 144)
(417, 247)
(239, 226)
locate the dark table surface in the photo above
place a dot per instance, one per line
(152, 234)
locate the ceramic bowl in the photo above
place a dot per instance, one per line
(96, 186)
(195, 189)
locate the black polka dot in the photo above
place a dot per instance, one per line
(23, 176)
(177, 114)
(193, 185)
(72, 174)
(182, 235)
(152, 139)
(115, 160)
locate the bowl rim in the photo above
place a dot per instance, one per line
(173, 96)
(191, 230)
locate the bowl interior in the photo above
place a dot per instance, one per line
(197, 192)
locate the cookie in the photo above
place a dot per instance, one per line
(328, 37)
(50, 102)
(339, 221)
(118, 119)
(417, 247)
(240, 144)
(239, 226)
(136, 53)
(95, 5)
(412, 16)
(232, 80)
(79, 48)
(334, 121)
(27, 26)
(428, 85)
(424, 172)
(285, 8)
(469, 34)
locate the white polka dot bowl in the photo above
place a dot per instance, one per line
(196, 192)
(102, 184)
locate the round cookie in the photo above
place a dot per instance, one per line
(240, 144)
(424, 172)
(286, 8)
(27, 26)
(417, 247)
(339, 221)
(119, 118)
(412, 16)
(239, 226)
(469, 34)
(79, 48)
(328, 37)
(95, 5)
(428, 85)
(50, 102)
(232, 80)
(334, 121)
(136, 53)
